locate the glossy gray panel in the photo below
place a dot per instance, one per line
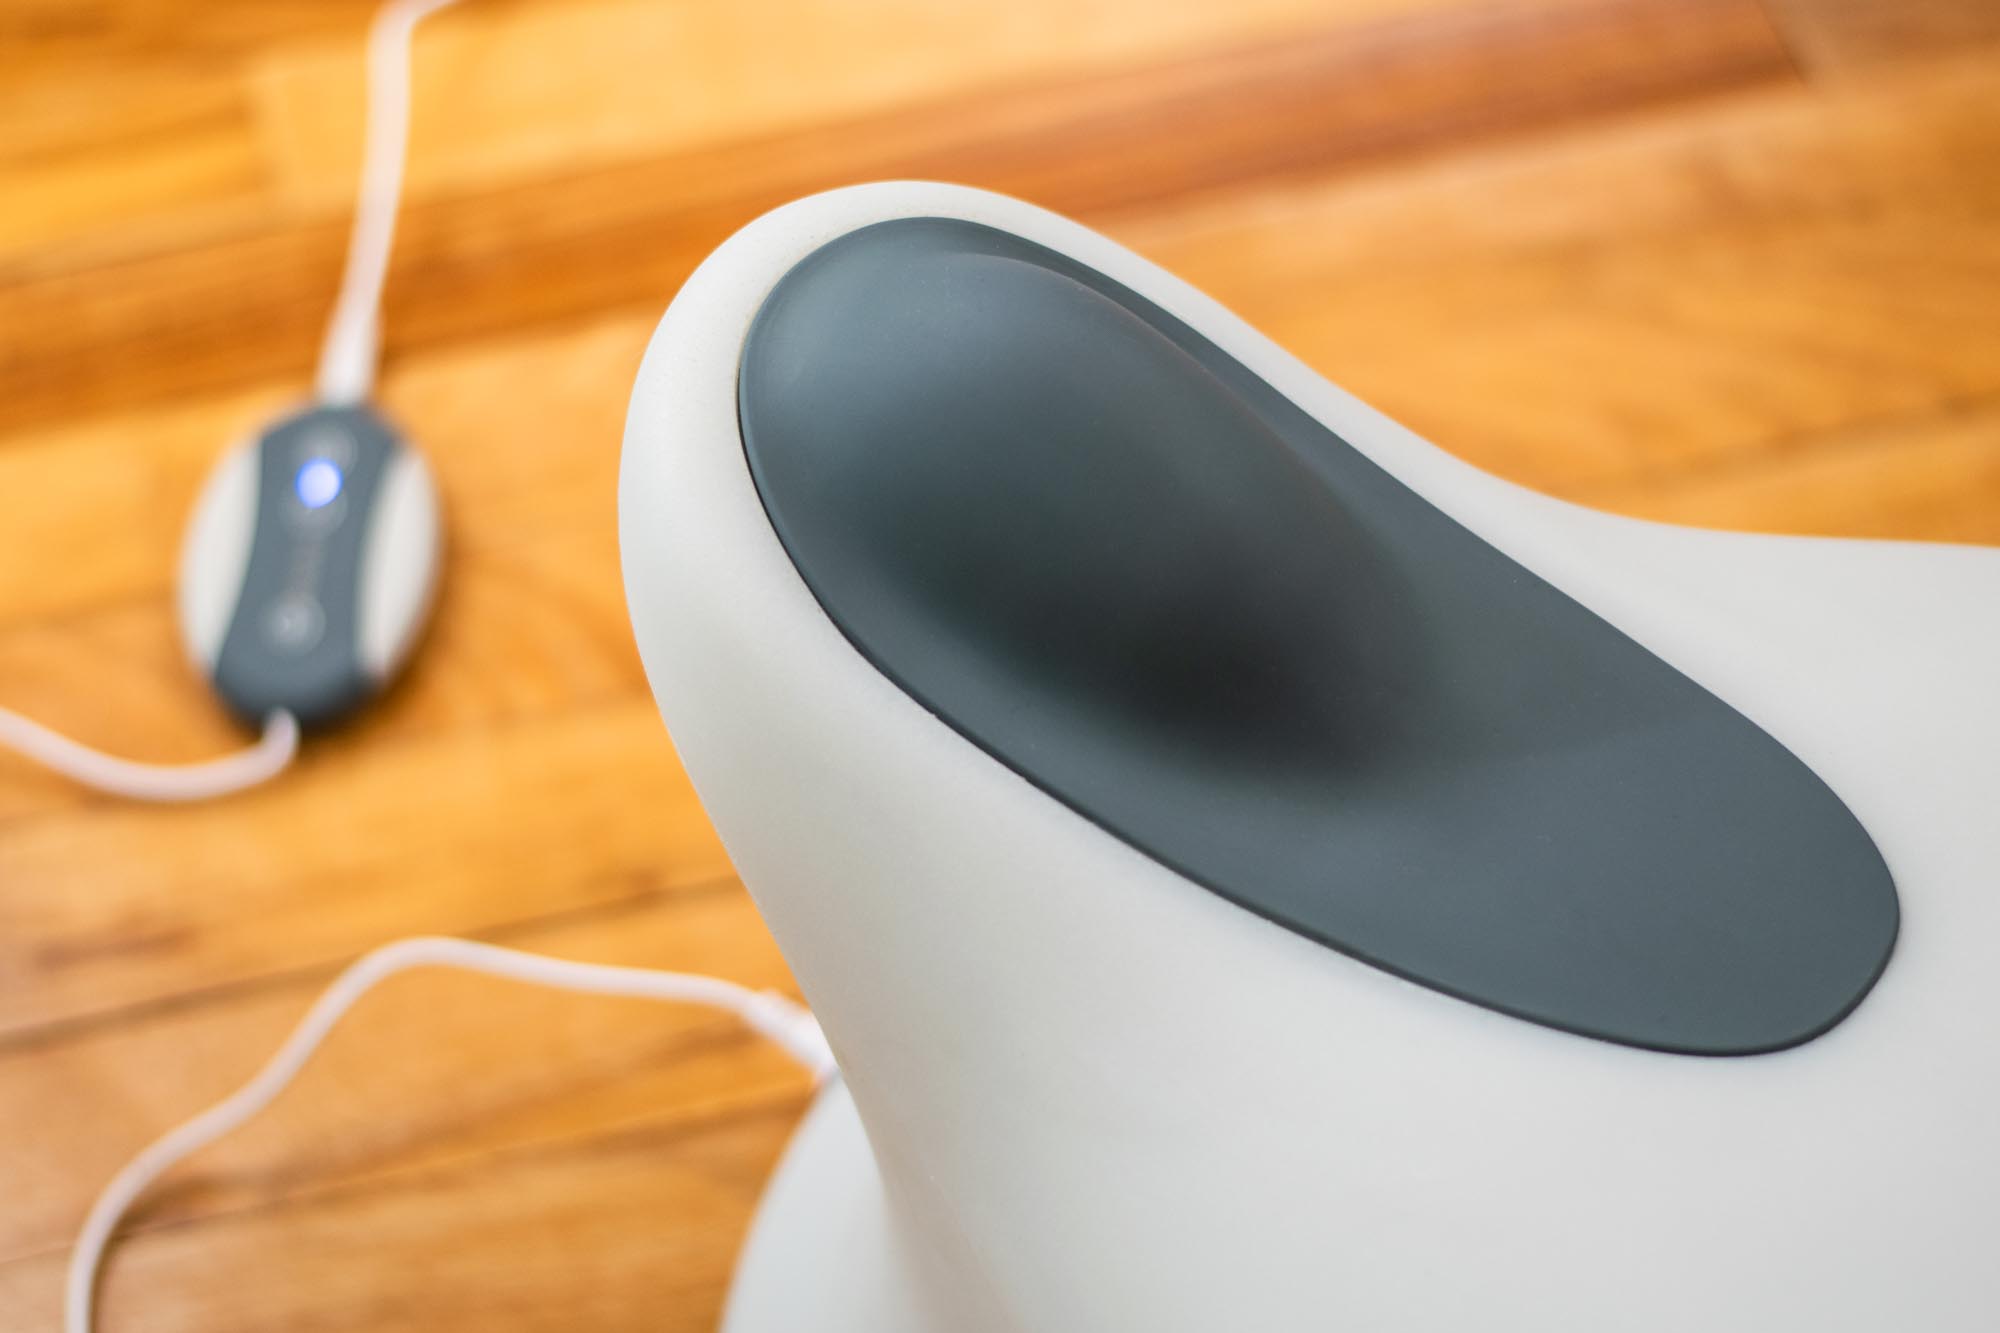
(1128, 568)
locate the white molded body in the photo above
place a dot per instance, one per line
(823, 1255)
(215, 553)
(399, 565)
(1104, 1098)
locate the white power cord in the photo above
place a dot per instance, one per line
(347, 357)
(154, 782)
(346, 374)
(768, 1013)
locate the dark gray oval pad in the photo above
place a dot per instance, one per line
(293, 639)
(1128, 568)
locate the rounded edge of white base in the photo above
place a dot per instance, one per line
(820, 1253)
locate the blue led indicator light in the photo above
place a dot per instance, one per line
(318, 483)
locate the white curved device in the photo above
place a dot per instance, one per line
(1257, 871)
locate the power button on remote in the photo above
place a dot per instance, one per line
(294, 623)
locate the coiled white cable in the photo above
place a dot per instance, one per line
(768, 1013)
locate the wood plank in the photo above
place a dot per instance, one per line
(629, 1231)
(436, 1068)
(1694, 346)
(86, 148)
(38, 33)
(106, 907)
(639, 79)
(1608, 304)
(636, 77)
(1842, 38)
(1935, 478)
(168, 324)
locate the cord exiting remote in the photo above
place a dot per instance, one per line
(138, 781)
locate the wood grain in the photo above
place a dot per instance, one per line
(1711, 261)
(503, 1066)
(144, 325)
(1842, 36)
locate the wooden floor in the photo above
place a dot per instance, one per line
(1731, 262)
